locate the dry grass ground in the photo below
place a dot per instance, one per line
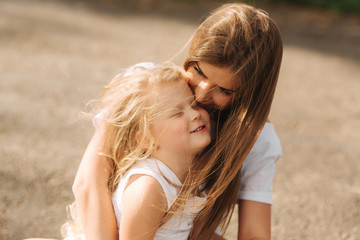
(54, 57)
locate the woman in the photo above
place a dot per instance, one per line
(233, 66)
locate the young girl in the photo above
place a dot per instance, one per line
(152, 131)
(232, 66)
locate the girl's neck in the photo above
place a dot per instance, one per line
(178, 164)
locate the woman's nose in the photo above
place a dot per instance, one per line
(202, 91)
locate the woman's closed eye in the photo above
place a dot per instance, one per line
(225, 91)
(198, 70)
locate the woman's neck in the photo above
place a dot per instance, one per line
(220, 116)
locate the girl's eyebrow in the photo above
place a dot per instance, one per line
(184, 103)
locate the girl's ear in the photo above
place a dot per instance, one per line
(143, 141)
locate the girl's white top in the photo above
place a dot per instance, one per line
(258, 169)
(179, 225)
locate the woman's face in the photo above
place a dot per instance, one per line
(213, 86)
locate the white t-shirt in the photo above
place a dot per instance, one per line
(178, 226)
(258, 169)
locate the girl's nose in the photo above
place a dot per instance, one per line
(195, 114)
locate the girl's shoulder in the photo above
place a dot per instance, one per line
(143, 191)
(143, 207)
(158, 170)
(151, 174)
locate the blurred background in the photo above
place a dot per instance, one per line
(55, 56)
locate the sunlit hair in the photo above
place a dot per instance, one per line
(128, 110)
(128, 103)
(247, 41)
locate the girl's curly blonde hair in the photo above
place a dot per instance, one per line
(127, 109)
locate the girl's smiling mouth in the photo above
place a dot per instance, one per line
(199, 129)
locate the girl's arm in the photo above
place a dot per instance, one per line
(143, 206)
(93, 201)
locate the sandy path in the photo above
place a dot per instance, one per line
(55, 57)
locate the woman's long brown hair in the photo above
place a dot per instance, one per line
(247, 41)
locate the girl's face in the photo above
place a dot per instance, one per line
(181, 125)
(213, 86)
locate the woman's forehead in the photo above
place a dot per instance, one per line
(221, 76)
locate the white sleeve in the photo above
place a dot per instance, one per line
(96, 121)
(258, 170)
(147, 65)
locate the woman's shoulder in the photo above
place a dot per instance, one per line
(268, 141)
(268, 131)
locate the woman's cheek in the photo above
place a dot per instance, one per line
(205, 115)
(222, 101)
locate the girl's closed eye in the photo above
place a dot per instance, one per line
(176, 113)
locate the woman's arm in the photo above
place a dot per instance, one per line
(93, 201)
(255, 195)
(143, 207)
(254, 220)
